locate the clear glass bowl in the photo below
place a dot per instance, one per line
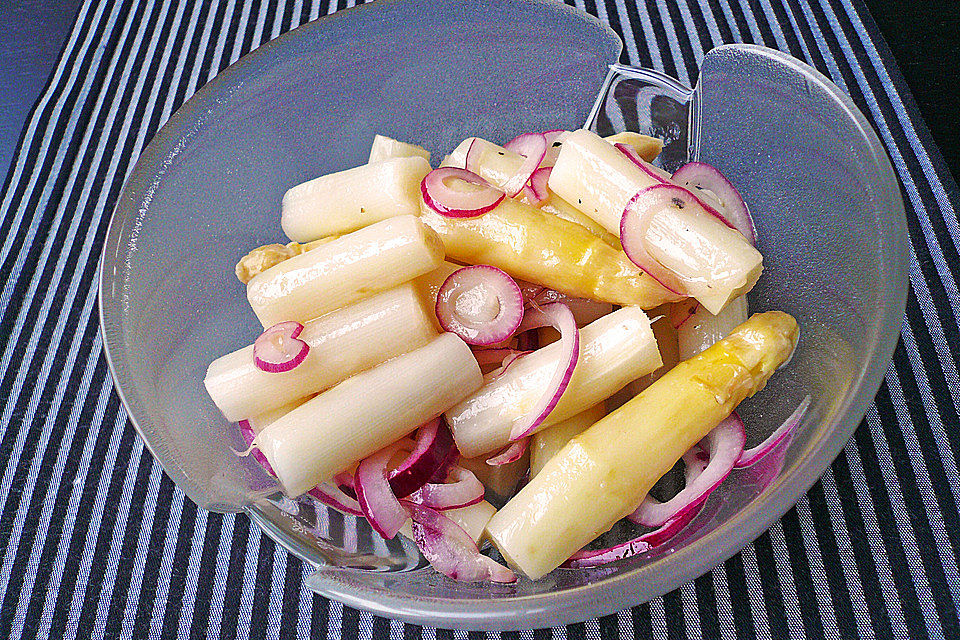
(208, 187)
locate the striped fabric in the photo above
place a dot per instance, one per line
(96, 542)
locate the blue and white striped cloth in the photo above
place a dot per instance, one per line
(96, 542)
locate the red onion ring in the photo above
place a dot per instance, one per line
(724, 445)
(682, 311)
(635, 223)
(469, 160)
(481, 304)
(752, 456)
(433, 446)
(511, 453)
(554, 139)
(561, 318)
(333, 496)
(700, 175)
(461, 490)
(446, 201)
(450, 550)
(381, 508)
(654, 172)
(584, 311)
(538, 186)
(645, 542)
(533, 148)
(277, 349)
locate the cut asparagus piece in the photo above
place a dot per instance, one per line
(646, 147)
(539, 247)
(384, 148)
(614, 350)
(428, 285)
(365, 413)
(602, 475)
(500, 480)
(263, 420)
(342, 343)
(349, 200)
(547, 443)
(262, 258)
(345, 270)
(473, 519)
(703, 328)
(496, 165)
(715, 262)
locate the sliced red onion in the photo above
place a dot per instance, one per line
(554, 139)
(724, 445)
(757, 453)
(451, 550)
(249, 435)
(511, 453)
(481, 304)
(495, 356)
(277, 349)
(433, 446)
(477, 198)
(533, 148)
(561, 318)
(461, 489)
(333, 496)
(654, 172)
(538, 186)
(379, 505)
(635, 224)
(642, 543)
(700, 175)
(584, 311)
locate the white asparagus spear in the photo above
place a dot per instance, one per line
(385, 148)
(473, 519)
(602, 475)
(342, 343)
(263, 420)
(428, 285)
(614, 350)
(365, 413)
(545, 444)
(350, 268)
(349, 200)
(716, 262)
(703, 328)
(496, 165)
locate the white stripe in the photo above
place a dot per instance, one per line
(721, 589)
(691, 617)
(183, 43)
(818, 575)
(305, 605)
(658, 618)
(679, 62)
(222, 569)
(774, 25)
(193, 574)
(202, 48)
(277, 586)
(786, 580)
(217, 61)
(165, 572)
(248, 582)
(871, 523)
(753, 580)
(712, 27)
(796, 29)
(133, 603)
(693, 34)
(848, 562)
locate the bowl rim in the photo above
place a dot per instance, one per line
(626, 588)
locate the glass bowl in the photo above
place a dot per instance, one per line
(208, 187)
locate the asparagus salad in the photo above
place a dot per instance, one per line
(437, 341)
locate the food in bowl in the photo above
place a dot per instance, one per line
(427, 328)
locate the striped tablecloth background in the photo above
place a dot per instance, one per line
(96, 542)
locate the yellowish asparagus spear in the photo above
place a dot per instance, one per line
(542, 248)
(262, 258)
(646, 147)
(602, 475)
(547, 443)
